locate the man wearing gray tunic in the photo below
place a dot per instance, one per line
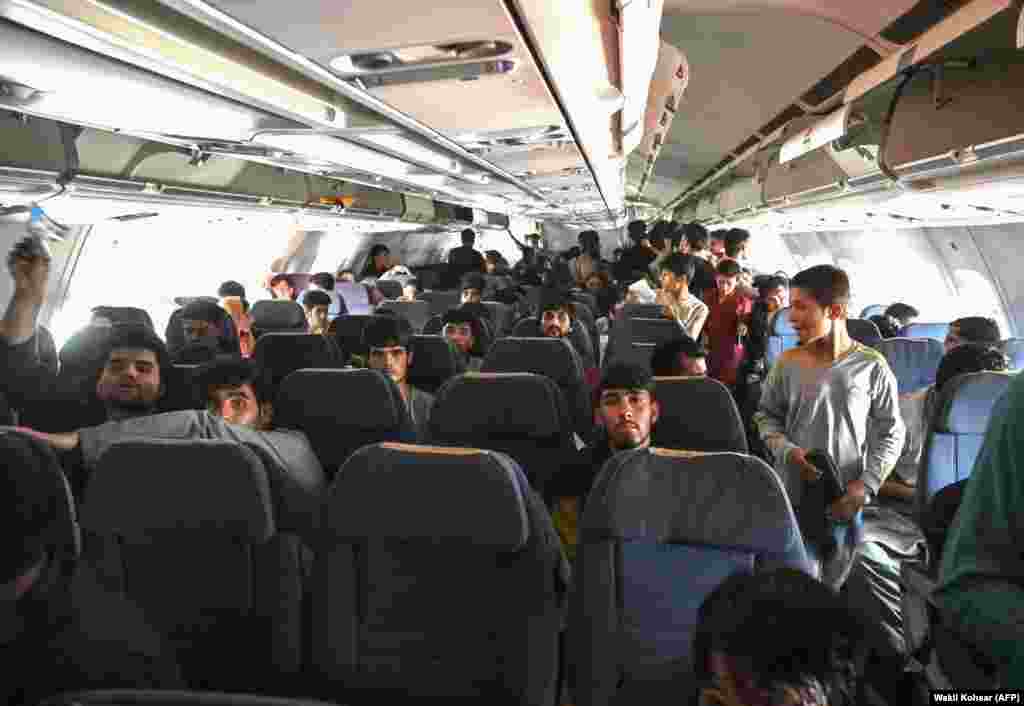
(836, 395)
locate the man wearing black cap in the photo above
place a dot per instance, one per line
(57, 636)
(627, 411)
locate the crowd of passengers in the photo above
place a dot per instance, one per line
(826, 415)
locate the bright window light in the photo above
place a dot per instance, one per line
(325, 148)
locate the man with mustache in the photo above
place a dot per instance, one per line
(627, 411)
(557, 314)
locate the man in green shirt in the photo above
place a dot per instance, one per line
(981, 581)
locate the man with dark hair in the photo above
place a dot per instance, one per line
(281, 287)
(465, 259)
(325, 282)
(473, 285)
(830, 394)
(717, 245)
(345, 275)
(316, 305)
(728, 322)
(686, 309)
(462, 328)
(557, 318)
(699, 245)
(588, 261)
(972, 329)
(389, 340)
(888, 327)
(238, 409)
(637, 258)
(683, 357)
(60, 635)
(378, 261)
(980, 589)
(904, 314)
(626, 411)
(410, 290)
(737, 245)
(777, 638)
(231, 288)
(206, 333)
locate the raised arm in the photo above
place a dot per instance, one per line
(30, 268)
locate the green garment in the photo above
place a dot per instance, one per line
(981, 582)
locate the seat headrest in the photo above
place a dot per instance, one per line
(344, 398)
(914, 361)
(498, 404)
(647, 311)
(219, 487)
(434, 354)
(660, 330)
(966, 402)
(698, 414)
(1014, 350)
(553, 357)
(780, 325)
(935, 332)
(277, 315)
(864, 331)
(527, 328)
(430, 493)
(719, 499)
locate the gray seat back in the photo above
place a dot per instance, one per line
(452, 593)
(934, 331)
(864, 331)
(1014, 350)
(185, 529)
(417, 313)
(914, 361)
(660, 531)
(697, 414)
(962, 415)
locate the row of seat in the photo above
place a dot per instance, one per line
(438, 572)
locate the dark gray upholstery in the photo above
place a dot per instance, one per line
(1014, 350)
(348, 329)
(914, 361)
(440, 576)
(277, 315)
(280, 354)
(417, 313)
(781, 336)
(661, 530)
(520, 414)
(963, 411)
(864, 331)
(555, 358)
(581, 342)
(643, 311)
(342, 410)
(434, 361)
(390, 288)
(934, 331)
(441, 300)
(185, 529)
(697, 414)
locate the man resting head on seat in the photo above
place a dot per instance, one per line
(972, 329)
(131, 383)
(917, 409)
(54, 638)
(557, 312)
(683, 357)
(281, 288)
(778, 638)
(234, 391)
(317, 303)
(389, 339)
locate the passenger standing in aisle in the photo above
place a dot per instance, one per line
(727, 324)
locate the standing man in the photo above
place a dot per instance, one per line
(826, 395)
(680, 304)
(465, 259)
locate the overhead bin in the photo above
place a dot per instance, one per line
(497, 220)
(739, 196)
(707, 208)
(418, 210)
(450, 214)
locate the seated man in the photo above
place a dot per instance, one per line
(317, 305)
(324, 282)
(684, 357)
(980, 588)
(410, 290)
(281, 288)
(627, 411)
(389, 340)
(54, 638)
(473, 286)
(206, 333)
(777, 638)
(239, 410)
(463, 329)
(685, 308)
(903, 314)
(345, 276)
(972, 329)
(557, 316)
(918, 408)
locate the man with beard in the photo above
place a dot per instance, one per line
(389, 340)
(557, 315)
(627, 411)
